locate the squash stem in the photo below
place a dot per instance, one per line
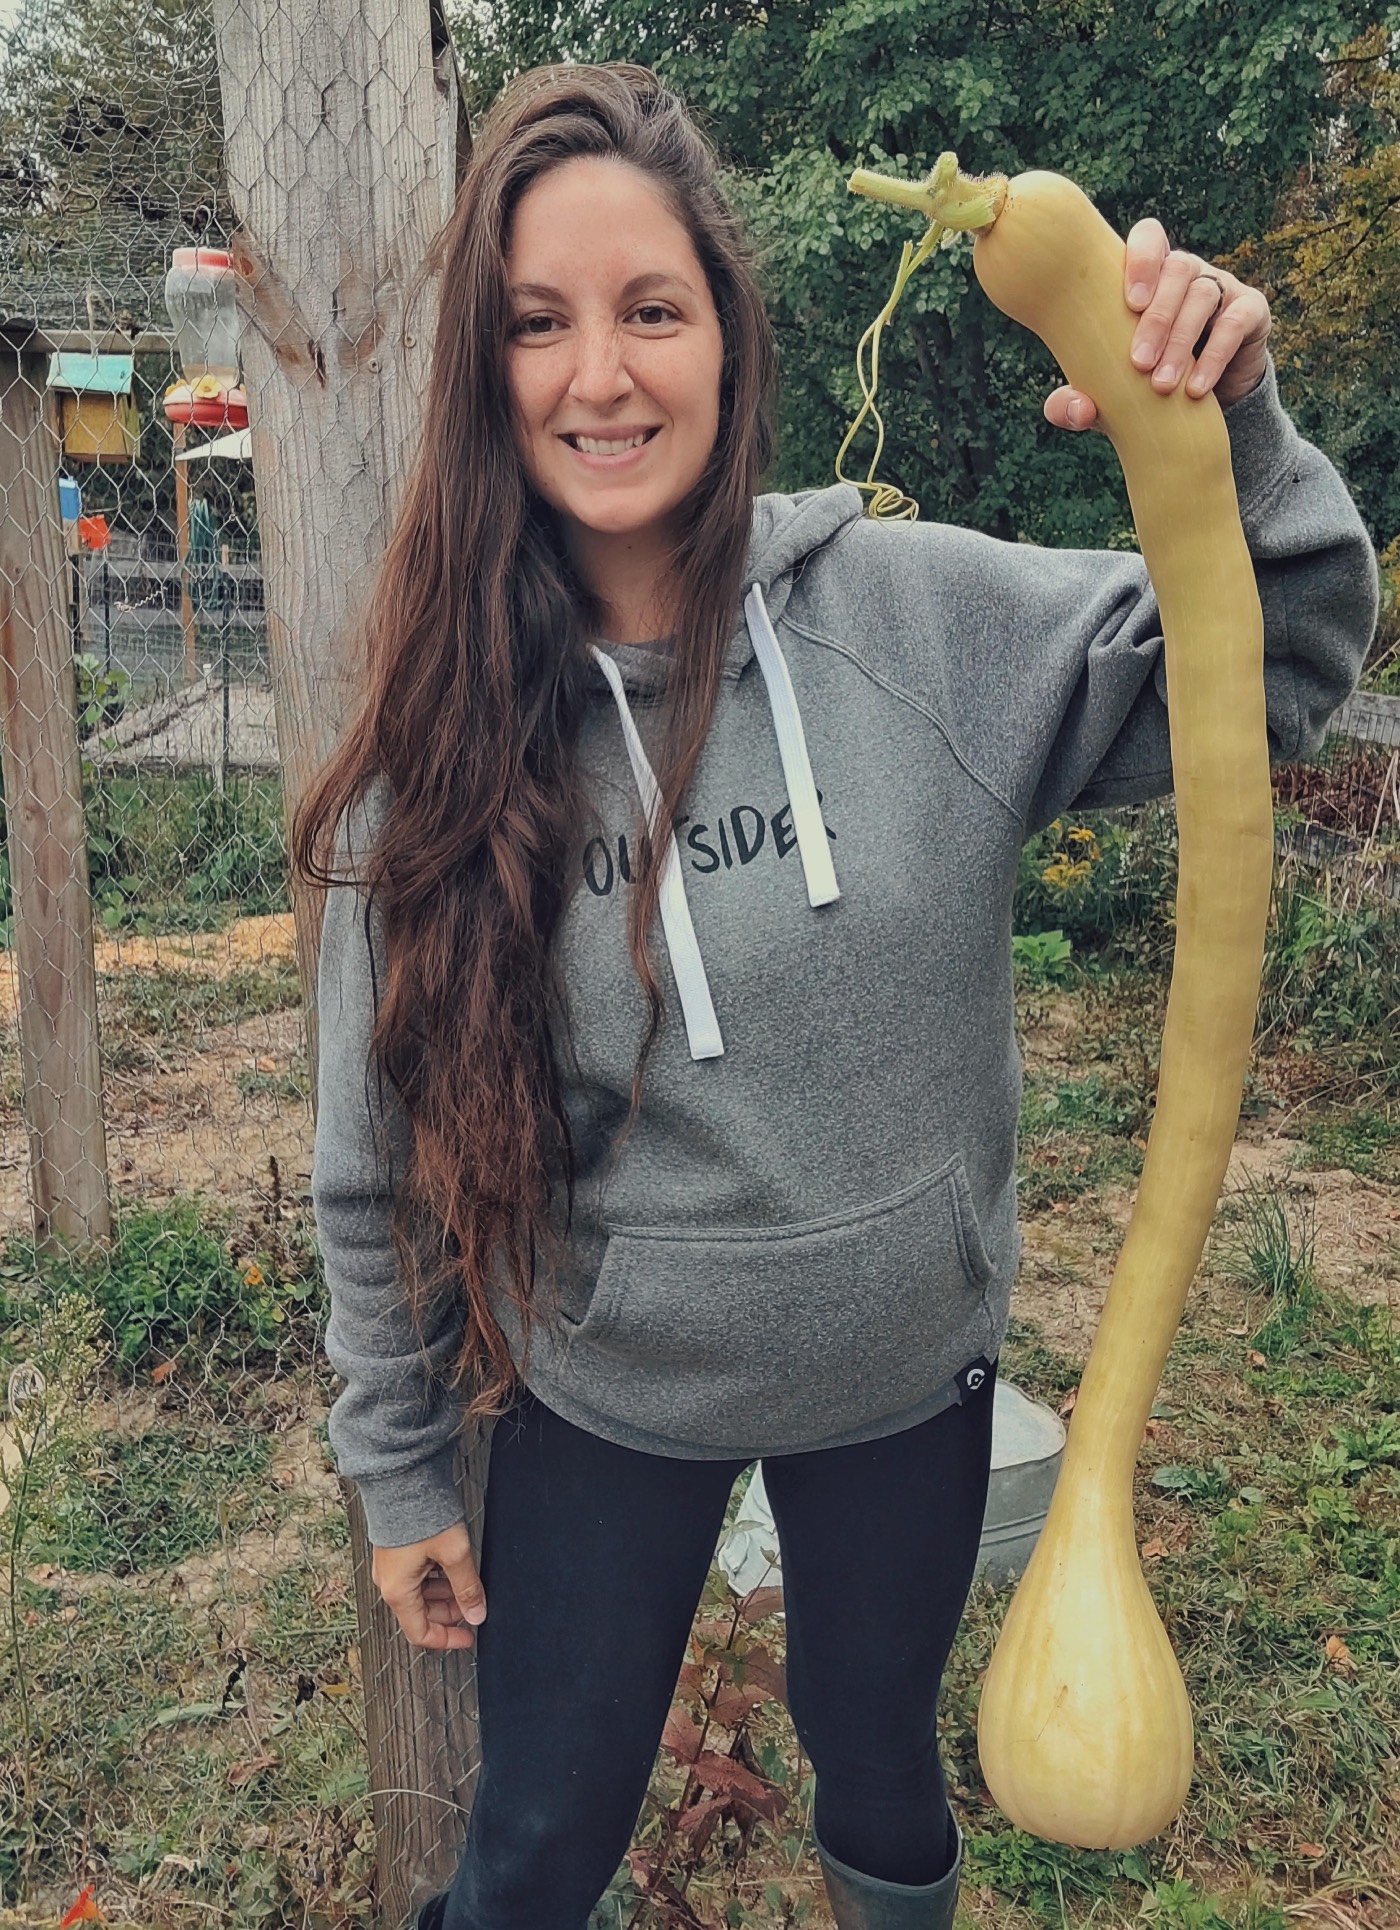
(948, 197)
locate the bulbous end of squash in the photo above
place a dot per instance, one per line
(1084, 1729)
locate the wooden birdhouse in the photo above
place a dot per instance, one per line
(96, 408)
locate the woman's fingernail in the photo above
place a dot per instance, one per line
(1076, 414)
(1142, 355)
(1137, 294)
(1197, 385)
(1166, 375)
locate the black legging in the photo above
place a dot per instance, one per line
(593, 1558)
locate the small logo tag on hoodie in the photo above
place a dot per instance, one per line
(974, 1376)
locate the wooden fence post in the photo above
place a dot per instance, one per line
(45, 831)
(344, 132)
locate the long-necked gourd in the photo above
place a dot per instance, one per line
(1084, 1729)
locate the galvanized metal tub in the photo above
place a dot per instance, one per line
(1028, 1444)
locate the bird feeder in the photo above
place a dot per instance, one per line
(97, 415)
(200, 298)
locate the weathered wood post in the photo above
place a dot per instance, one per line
(45, 832)
(344, 126)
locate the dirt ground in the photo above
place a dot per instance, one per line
(1070, 1251)
(183, 1125)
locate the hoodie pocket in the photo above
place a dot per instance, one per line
(894, 1286)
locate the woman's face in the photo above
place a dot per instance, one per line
(615, 337)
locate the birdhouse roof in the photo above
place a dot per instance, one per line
(91, 374)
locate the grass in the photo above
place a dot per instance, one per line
(1076, 1136)
(1366, 1142)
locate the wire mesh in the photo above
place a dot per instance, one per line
(182, 1693)
(185, 1700)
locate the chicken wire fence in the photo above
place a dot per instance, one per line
(188, 1712)
(186, 1722)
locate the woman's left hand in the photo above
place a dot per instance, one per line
(1195, 322)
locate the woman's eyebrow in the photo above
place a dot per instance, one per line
(639, 285)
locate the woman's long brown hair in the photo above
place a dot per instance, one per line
(474, 668)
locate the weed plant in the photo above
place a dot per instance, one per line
(176, 1277)
(169, 854)
(1105, 883)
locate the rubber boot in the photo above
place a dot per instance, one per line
(861, 1902)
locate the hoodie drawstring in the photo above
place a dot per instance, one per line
(822, 887)
(702, 1027)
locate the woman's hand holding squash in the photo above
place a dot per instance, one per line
(1194, 321)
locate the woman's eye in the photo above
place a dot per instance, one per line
(659, 311)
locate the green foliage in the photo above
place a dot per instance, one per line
(102, 692)
(1107, 880)
(109, 142)
(1042, 957)
(1091, 1104)
(175, 854)
(143, 1503)
(1200, 115)
(1077, 1135)
(167, 1003)
(1040, 1875)
(169, 1281)
(1331, 972)
(1270, 1239)
(1177, 1904)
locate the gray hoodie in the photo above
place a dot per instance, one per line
(810, 1236)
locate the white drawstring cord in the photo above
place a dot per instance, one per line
(822, 887)
(701, 1024)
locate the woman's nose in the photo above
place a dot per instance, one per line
(600, 370)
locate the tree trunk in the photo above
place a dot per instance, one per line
(345, 131)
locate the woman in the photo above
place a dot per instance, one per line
(799, 1241)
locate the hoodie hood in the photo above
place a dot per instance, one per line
(784, 531)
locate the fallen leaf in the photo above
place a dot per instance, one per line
(1311, 1849)
(84, 1908)
(760, 1602)
(1153, 1550)
(163, 1372)
(243, 1772)
(1068, 1404)
(1237, 1333)
(1256, 1359)
(1151, 1430)
(1339, 1655)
